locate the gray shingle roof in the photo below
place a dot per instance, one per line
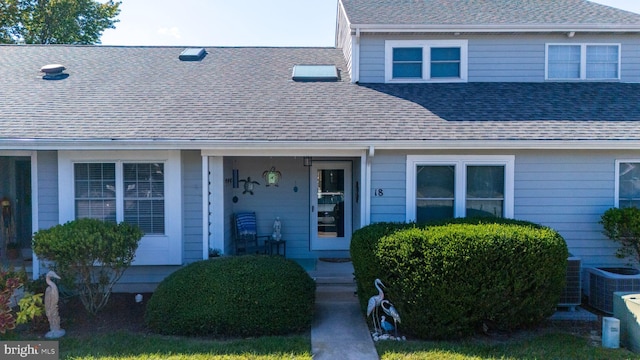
(246, 94)
(485, 12)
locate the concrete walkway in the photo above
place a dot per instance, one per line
(339, 329)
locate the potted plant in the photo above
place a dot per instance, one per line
(213, 253)
(13, 250)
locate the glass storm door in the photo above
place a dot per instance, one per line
(330, 205)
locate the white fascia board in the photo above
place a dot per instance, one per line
(290, 147)
(376, 28)
(512, 145)
(326, 151)
(306, 148)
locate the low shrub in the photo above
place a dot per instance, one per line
(449, 280)
(76, 247)
(249, 295)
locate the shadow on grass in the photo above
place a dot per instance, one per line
(126, 345)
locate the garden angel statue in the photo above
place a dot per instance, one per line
(277, 228)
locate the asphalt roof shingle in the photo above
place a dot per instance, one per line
(247, 94)
(485, 12)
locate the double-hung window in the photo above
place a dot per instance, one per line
(628, 183)
(138, 188)
(425, 61)
(143, 193)
(445, 187)
(583, 61)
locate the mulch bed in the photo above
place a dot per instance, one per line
(121, 313)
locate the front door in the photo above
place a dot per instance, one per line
(330, 205)
(23, 203)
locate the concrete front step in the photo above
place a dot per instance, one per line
(335, 279)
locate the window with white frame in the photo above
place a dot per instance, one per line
(443, 187)
(583, 61)
(424, 61)
(628, 183)
(96, 188)
(127, 187)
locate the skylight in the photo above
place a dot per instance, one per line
(315, 73)
(192, 54)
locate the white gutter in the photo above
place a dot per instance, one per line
(310, 148)
(371, 28)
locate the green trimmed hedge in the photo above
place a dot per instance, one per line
(364, 243)
(249, 295)
(448, 281)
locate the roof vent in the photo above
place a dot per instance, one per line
(315, 73)
(54, 72)
(192, 54)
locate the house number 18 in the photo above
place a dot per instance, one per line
(378, 192)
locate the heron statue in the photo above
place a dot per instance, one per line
(386, 326)
(390, 310)
(374, 303)
(51, 298)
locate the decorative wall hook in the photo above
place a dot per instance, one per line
(248, 185)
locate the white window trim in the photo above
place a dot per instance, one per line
(426, 45)
(460, 163)
(583, 61)
(153, 249)
(617, 179)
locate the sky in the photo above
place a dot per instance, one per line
(238, 22)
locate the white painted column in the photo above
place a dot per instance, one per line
(213, 203)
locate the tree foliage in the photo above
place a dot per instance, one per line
(56, 21)
(622, 225)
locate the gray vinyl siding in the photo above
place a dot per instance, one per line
(372, 59)
(388, 173)
(192, 206)
(502, 58)
(565, 190)
(48, 211)
(569, 191)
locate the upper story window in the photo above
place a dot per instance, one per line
(426, 61)
(583, 61)
(628, 183)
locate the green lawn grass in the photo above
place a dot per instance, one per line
(124, 345)
(556, 346)
(135, 346)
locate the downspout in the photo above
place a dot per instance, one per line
(35, 216)
(366, 188)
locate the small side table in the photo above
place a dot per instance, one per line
(271, 244)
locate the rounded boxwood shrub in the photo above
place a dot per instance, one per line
(449, 281)
(249, 295)
(364, 243)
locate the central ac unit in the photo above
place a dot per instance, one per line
(572, 292)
